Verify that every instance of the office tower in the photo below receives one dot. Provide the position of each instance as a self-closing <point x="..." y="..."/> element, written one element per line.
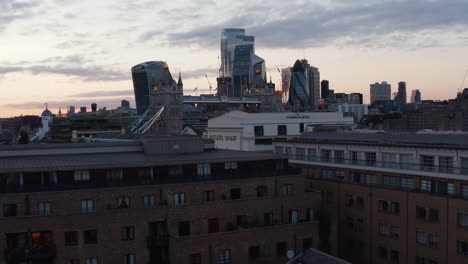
<point x="70" y="110"/>
<point x="145" y="76"/>
<point x="360" y="96"/>
<point x="298" y="93"/>
<point x="325" y="89"/>
<point x="124" y="103"/>
<point x="93" y="107"/>
<point x="380" y="92"/>
<point x="401" y="92"/>
<point x="415" y="96"/>
<point x="313" y="84"/>
<point x="239" y="65"/>
<point x="286" y="82"/>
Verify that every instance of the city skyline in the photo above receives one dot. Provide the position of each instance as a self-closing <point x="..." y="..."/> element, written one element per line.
<point x="79" y="52"/>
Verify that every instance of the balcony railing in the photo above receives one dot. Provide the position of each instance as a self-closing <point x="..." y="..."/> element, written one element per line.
<point x="128" y="181"/>
<point x="40" y="254"/>
<point x="384" y="164"/>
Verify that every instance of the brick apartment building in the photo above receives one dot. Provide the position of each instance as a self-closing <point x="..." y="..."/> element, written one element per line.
<point x="159" y="200"/>
<point x="397" y="198"/>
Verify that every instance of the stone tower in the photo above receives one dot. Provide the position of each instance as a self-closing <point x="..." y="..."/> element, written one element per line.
<point x="168" y="94"/>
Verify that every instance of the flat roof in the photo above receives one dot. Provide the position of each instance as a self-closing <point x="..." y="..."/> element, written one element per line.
<point x="387" y="139"/>
<point x="108" y="160"/>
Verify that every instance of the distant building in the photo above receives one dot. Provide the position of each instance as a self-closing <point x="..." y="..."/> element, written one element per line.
<point x="238" y="130"/>
<point x="83" y="109"/>
<point x="93" y="107"/>
<point x="286" y="83"/>
<point x="145" y="76"/>
<point x="380" y="92"/>
<point x="357" y="111"/>
<point x="70" y="110"/>
<point x="125" y="103"/>
<point x="360" y="97"/>
<point x="298" y="100"/>
<point x="313" y="84"/>
<point x="401" y="97"/>
<point x="415" y="96"/>
<point x="324" y="88"/>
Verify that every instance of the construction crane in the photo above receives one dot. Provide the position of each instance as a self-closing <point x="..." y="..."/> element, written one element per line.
<point x="209" y="83"/>
<point x="463" y="82"/>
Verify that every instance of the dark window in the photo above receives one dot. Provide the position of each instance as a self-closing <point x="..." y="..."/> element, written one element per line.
<point x="395" y="207"/>
<point x="281" y="249"/>
<point x="90" y="236"/>
<point x="349" y="200"/>
<point x="462" y="247"/>
<point x="359" y="202"/>
<point x="420" y="212"/>
<point x="268" y="218"/>
<point x="383" y="206"/>
<point x="263" y="141"/>
<point x="306" y="244"/>
<point x="123" y="202"/>
<point x="254" y="252"/>
<point x="184" y="228"/>
<point x="208" y="196"/>
<point x="195" y="258"/>
<point x="241" y="220"/>
<point x="258" y="131"/>
<point x="129" y="259"/>
<point x="71" y="238"/>
<point x="235" y="193"/>
<point x="301" y="127"/>
<point x="213" y="225"/>
<point x="9" y="210"/>
<point x="261" y="191"/>
<point x="383" y="252"/>
<point x="394" y="255"/>
<point x="128" y="233"/>
<point x="420" y="260"/>
<point x="433" y="215"/>
<point x="282" y="130"/>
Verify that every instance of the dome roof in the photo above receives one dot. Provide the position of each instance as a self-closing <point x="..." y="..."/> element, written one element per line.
<point x="46" y="113"/>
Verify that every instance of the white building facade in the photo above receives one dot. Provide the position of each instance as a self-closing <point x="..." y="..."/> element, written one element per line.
<point x="238" y="130"/>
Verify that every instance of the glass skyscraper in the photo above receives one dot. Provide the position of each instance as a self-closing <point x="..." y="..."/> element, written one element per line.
<point x="298" y="92"/>
<point x="145" y="76"/>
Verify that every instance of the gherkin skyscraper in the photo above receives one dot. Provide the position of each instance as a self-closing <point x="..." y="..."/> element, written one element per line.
<point x="298" y="100"/>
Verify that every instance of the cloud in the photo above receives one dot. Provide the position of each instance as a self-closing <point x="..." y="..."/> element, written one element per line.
<point x="11" y="10"/>
<point x="109" y="103"/>
<point x="105" y="93"/>
<point x="198" y="73"/>
<point x="355" y="22"/>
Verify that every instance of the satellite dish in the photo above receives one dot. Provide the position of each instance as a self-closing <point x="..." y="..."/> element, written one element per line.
<point x="290" y="254"/>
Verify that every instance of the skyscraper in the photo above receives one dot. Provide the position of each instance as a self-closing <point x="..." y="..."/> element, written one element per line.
<point x="313" y="84"/>
<point x="286" y="83"/>
<point x="325" y="89"/>
<point x="239" y="64"/>
<point x="415" y="96"/>
<point x="401" y="92"/>
<point x="298" y="93"/>
<point x="380" y="92"/>
<point x="145" y="76"/>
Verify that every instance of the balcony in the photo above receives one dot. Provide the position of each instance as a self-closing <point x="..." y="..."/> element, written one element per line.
<point x="384" y="166"/>
<point x="159" y="240"/>
<point x="39" y="254"/>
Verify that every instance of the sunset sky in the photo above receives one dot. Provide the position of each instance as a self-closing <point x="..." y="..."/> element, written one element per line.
<point x="67" y="52"/>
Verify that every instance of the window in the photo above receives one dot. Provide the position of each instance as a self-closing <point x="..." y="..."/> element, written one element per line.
<point x="288" y="189"/>
<point x="395" y="231"/>
<point x="359" y="202"/>
<point x="446" y="164"/>
<point x="268" y="218"/>
<point x="91" y="261"/>
<point x="310" y="214"/>
<point x="383" y="252"/>
<point x="427" y="163"/>
<point x="421" y="237"/>
<point x="288" y="150"/>
<point x="123" y="202"/>
<point x="254" y="252"/>
<point x="406" y="160"/>
<point x="420" y="260"/>
<point x="420" y="212"/>
<point x="349" y="200"/>
<point x="462" y="247"/>
<point x="363" y="178"/>
<point x="371" y="158"/>
<point x="230" y="165"/>
<point x="281" y="249"/>
<point x="325" y="155"/>
<point x="463" y="220"/>
<point x="425" y="185"/>
<point x="72" y="261"/>
<point x="149" y="201"/>
<point x="398" y="182"/>
<point x="225" y="256"/>
<point x="81" y="176"/>
<point x="338" y="156"/>
<point x="389" y="160"/>
<point x="262" y="191"/>
<point x="383" y="229"/>
<point x="293" y="216"/>
<point x="279" y="149"/>
<point x="258" y="131"/>
<point x="175" y="170"/>
<point x="354" y="157"/>
<point x="311" y="154"/>
<point x="359" y="227"/>
<point x="115" y="176"/>
<point x="179" y="198"/>
<point x="71" y="238"/>
<point x="300" y="153"/>
<point x="394" y="207"/>
<point x="87" y="206"/>
<point x="9" y="210"/>
<point x="394" y="255"/>
<point x="464" y="190"/>
<point x="129" y="259"/>
<point x="464" y="165"/>
<point x="213" y="225"/>
<point x="90" y="236"/>
<point x="241" y="220"/>
<point x="235" y="193"/>
<point x="332" y="174"/>
<point x="301" y="127"/>
<point x="383" y="206"/>
<point x="282" y="130"/>
<point x="127" y="233"/>
<point x="434" y="240"/>
<point x="208" y="196"/>
<point x="433" y="215"/>
<point x="195" y="258"/>
<point x="204" y="169"/>
<point x="184" y="228"/>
